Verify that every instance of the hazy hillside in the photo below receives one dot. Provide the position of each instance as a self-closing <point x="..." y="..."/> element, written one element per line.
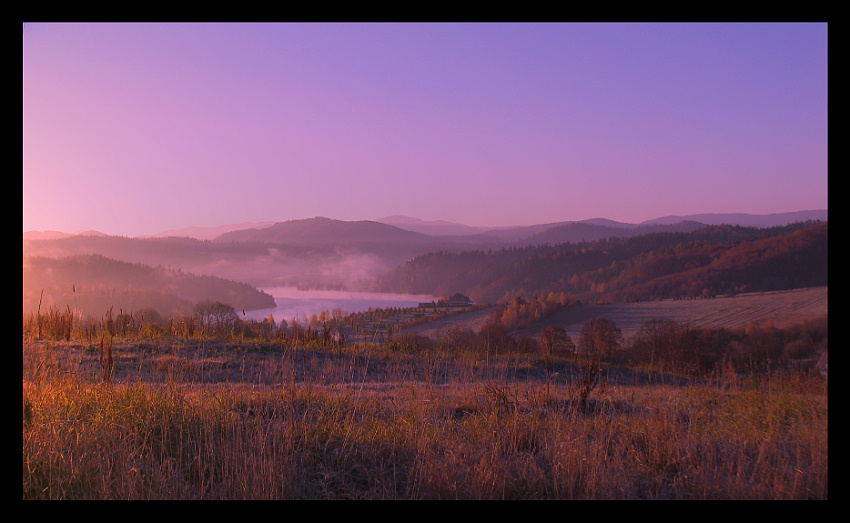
<point x="45" y="235"/>
<point x="710" y="260"/>
<point x="591" y="229"/>
<point x="93" y="284"/>
<point x="53" y="235"/>
<point x="209" y="233"/>
<point x="588" y="232"/>
<point x="433" y="227"/>
<point x="314" y="253"/>
<point x="326" y="253"/>
<point x="325" y="231"/>
<point x="745" y="220"/>
<point x="785" y="260"/>
<point x="258" y="264"/>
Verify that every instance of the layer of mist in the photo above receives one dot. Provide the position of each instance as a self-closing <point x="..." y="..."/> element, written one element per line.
<point x="301" y="304"/>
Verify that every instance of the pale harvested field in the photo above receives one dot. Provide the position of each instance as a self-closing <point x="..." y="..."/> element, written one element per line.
<point x="465" y="320"/>
<point x="782" y="307"/>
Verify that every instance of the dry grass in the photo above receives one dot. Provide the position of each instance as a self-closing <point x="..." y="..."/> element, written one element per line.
<point x="209" y="420"/>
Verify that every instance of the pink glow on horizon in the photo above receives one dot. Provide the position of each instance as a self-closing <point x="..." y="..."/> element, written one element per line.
<point x="135" y="129"/>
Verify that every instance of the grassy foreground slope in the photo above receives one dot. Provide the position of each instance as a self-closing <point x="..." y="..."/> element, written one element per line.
<point x="212" y="420"/>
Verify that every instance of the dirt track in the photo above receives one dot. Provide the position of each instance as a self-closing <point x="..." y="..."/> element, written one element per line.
<point x="783" y="307"/>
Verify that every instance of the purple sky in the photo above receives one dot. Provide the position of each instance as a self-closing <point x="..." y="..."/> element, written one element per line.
<point x="134" y="129"/>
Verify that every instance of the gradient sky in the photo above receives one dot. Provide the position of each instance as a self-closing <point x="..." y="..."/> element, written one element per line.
<point x="134" y="129"/>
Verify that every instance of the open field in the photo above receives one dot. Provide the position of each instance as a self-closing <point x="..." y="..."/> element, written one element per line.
<point x="247" y="421"/>
<point x="781" y="307"/>
<point x="472" y="320"/>
<point x="153" y="416"/>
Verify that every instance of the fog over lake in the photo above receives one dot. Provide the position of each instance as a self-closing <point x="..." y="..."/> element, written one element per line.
<point x="300" y="304"/>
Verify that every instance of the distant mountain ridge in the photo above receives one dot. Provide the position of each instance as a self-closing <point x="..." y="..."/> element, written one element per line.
<point x="54" y="235"/>
<point x="587" y="232"/>
<point x="443" y="228"/>
<point x="597" y="228"/>
<point x="745" y="220"/>
<point x="432" y="228"/>
<point x="209" y="233"/>
<point x="321" y="231"/>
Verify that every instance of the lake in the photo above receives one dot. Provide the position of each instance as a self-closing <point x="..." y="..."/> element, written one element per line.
<point x="294" y="303"/>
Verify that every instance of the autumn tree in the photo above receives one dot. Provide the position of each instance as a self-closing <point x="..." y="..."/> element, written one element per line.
<point x="493" y="336"/>
<point x="600" y="336"/>
<point x="555" y="340"/>
<point x="665" y="343"/>
<point x="217" y="317"/>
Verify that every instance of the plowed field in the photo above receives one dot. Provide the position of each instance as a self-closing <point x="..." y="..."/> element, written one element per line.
<point x="782" y="307"/>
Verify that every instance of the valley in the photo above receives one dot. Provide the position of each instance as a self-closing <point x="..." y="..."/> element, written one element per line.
<point x="591" y="262"/>
<point x="429" y="402"/>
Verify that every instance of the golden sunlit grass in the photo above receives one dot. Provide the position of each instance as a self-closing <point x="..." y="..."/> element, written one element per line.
<point x="212" y="420"/>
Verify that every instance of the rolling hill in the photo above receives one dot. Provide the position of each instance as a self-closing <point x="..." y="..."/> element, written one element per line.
<point x="369" y="255"/>
<point x="708" y="261"/>
<point x="325" y="231"/>
<point x="93" y="284"/>
<point x="314" y="253"/>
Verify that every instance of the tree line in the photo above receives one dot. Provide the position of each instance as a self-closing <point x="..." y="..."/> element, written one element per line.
<point x="660" y="345"/>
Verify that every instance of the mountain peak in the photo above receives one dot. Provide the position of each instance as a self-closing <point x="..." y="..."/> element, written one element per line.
<point x="322" y="230"/>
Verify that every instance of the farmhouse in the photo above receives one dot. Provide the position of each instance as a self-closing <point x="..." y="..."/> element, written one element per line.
<point x="459" y="300"/>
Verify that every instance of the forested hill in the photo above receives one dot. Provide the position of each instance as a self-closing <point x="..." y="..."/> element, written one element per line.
<point x="94" y="284"/>
<point x="325" y="231"/>
<point x="712" y="260"/>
